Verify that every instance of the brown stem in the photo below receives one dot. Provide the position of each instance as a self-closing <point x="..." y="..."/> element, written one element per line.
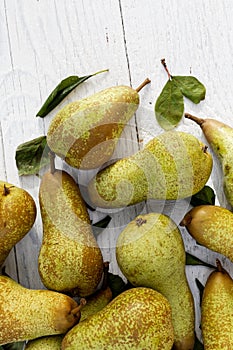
<point x="166" y="69"/>
<point x="77" y="310"/>
<point x="220" y="267"/>
<point x="52" y="162"/>
<point x="197" y="120"/>
<point x="6" y="190"/>
<point x="144" y="83"/>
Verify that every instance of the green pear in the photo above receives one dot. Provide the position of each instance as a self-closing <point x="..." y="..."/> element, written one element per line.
<point x="211" y="226"/>
<point x="173" y="165"/>
<point x="85" y="132"/>
<point x="70" y="259"/>
<point x="216" y="311"/>
<point x="17" y="216"/>
<point x="150" y="253"/>
<point x="52" y="342"/>
<point x="220" y="138"/>
<point x="139" y="318"/>
<point x="28" y="314"/>
<point x="96" y="302"/>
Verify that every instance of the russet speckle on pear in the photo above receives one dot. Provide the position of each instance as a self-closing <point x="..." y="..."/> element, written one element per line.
<point x="172" y="166"/>
<point x="52" y="342"/>
<point x="211" y="226"/>
<point x="139" y="318"/>
<point x="150" y="253"/>
<point x="29" y="314"/>
<point x="17" y="216"/>
<point x="216" y="311"/>
<point x="70" y="258"/>
<point x="220" y="138"/>
<point x="84" y="133"/>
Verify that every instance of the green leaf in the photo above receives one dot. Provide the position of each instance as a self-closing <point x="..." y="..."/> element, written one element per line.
<point x="201" y="288"/>
<point x="31" y="156"/>
<point x="190" y="87"/>
<point x="61" y="91"/>
<point x="13" y="346"/>
<point x="193" y="260"/>
<point x="169" y="106"/>
<point x="99" y="226"/>
<point x="198" y="345"/>
<point x="116" y="284"/>
<point x="205" y="196"/>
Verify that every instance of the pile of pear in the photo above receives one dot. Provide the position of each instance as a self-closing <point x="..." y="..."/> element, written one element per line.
<point x="158" y="311"/>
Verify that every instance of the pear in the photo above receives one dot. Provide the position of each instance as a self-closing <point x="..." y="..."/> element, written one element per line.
<point x="216" y="311"/>
<point x="52" y="342"/>
<point x="70" y="259"/>
<point x="150" y="253"/>
<point x="173" y="165"/>
<point x="139" y="318"/>
<point x="96" y="302"/>
<point x="28" y="314"/>
<point x="211" y="226"/>
<point x="17" y="216"/>
<point x="85" y="132"/>
<point x="220" y="138"/>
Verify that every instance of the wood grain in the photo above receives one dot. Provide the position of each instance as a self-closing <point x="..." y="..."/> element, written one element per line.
<point x="47" y="41"/>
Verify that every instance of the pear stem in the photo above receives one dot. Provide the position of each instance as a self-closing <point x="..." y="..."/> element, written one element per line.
<point x="144" y="83"/>
<point x="52" y="162"/>
<point x="220" y="267"/>
<point x="6" y="190"/>
<point x="166" y="69"/>
<point x="77" y="309"/>
<point x="186" y="220"/>
<point x="197" y="120"/>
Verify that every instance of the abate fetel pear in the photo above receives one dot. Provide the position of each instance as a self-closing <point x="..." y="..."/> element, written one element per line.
<point x="85" y="132"/>
<point x="70" y="259"/>
<point x="211" y="226"/>
<point x="51" y="342"/>
<point x="220" y="138"/>
<point x="17" y="216"/>
<point x="173" y="165"/>
<point x="29" y="313"/>
<point x="216" y="311"/>
<point x="139" y="318"/>
<point x="150" y="253"/>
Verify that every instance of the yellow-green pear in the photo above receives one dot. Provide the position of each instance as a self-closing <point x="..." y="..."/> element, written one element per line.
<point x="173" y="165"/>
<point x="150" y="253"/>
<point x="29" y="313"/>
<point x="220" y="138"/>
<point x="52" y="342"/>
<point x="216" y="311"/>
<point x="85" y="132"/>
<point x="17" y="216"/>
<point x="70" y="259"/>
<point x="211" y="226"/>
<point x="137" y="319"/>
<point x="96" y="302"/>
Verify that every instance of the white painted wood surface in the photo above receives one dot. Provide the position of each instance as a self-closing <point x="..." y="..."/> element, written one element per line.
<point x="44" y="41"/>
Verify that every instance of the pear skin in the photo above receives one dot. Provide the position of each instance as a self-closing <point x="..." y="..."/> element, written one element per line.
<point x="216" y="311"/>
<point x="139" y="318"/>
<point x="52" y="342"/>
<point x="85" y="132"/>
<point x="172" y="166"/>
<point x="27" y="314"/>
<point x="211" y="226"/>
<point x="150" y="253"/>
<point x="220" y="138"/>
<point x="70" y="259"/>
<point x="17" y="216"/>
